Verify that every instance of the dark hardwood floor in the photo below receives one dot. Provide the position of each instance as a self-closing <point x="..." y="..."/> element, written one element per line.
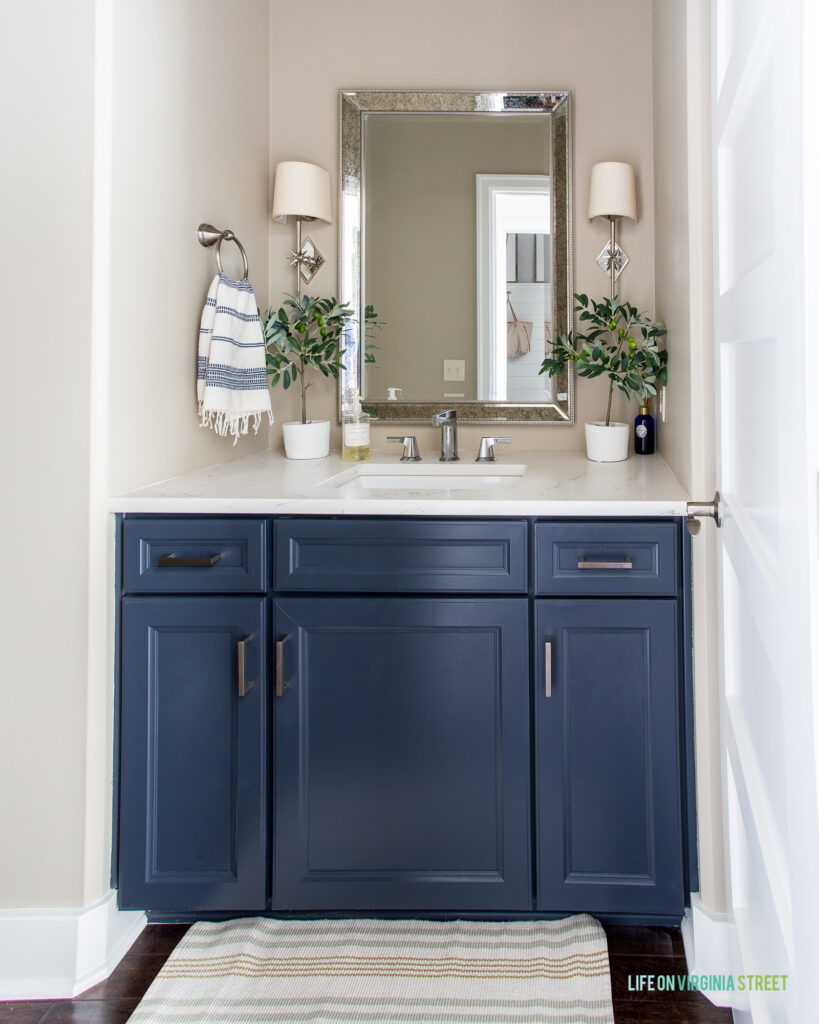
<point x="633" y="952"/>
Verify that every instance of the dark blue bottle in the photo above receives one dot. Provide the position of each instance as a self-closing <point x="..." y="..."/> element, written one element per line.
<point x="644" y="432"/>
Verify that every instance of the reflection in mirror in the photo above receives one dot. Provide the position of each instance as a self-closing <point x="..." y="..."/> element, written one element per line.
<point x="527" y="264"/>
<point x="455" y="225"/>
<point x="513" y="304"/>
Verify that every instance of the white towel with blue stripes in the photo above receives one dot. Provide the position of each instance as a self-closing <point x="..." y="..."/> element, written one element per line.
<point x="231" y="381"/>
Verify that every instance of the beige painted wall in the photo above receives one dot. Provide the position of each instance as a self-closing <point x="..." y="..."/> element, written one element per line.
<point x="682" y="218"/>
<point x="519" y="44"/>
<point x="103" y="287"/>
<point x="46" y="77"/>
<point x="191" y="99"/>
<point x="671" y="227"/>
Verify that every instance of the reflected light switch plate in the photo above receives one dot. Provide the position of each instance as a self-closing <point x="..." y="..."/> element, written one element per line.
<point x="454" y="369"/>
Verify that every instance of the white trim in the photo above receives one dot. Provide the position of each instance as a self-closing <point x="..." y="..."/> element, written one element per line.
<point x="703" y="431"/>
<point x="709" y="940"/>
<point x="99" y="583"/>
<point x="57" y="954"/>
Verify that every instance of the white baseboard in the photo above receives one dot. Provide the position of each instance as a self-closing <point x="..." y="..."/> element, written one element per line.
<point x="56" y="954"/>
<point x="709" y="940"/>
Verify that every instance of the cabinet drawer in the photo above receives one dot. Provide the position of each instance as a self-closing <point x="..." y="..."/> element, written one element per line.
<point x="359" y="556"/>
<point x="194" y="555"/>
<point x="598" y="559"/>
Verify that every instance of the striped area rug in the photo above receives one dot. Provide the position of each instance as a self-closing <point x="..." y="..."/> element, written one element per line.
<point x="258" y="970"/>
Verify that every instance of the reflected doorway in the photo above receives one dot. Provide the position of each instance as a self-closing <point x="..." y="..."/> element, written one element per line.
<point x="514" y="287"/>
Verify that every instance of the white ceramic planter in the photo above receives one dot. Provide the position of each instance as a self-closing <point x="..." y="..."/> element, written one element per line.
<point x="607" y="443"/>
<point x="309" y="440"/>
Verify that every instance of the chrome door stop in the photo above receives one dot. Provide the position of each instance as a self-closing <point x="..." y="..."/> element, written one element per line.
<point x="696" y="510"/>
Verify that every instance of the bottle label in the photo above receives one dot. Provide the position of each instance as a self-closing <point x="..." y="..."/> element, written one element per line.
<point x="642" y="430"/>
<point x="356" y="435"/>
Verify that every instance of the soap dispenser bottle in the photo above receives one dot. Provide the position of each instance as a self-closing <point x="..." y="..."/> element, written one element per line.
<point x="644" y="431"/>
<point x="355" y="429"/>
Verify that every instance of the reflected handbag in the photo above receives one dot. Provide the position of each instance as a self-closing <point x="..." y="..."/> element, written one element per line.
<point x="518" y="334"/>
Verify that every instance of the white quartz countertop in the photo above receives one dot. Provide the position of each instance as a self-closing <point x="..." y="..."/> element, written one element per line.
<point x="553" y="484"/>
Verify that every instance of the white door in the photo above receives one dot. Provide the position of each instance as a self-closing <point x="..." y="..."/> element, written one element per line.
<point x="764" y="108"/>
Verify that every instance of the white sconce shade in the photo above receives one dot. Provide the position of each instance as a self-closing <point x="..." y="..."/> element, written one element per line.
<point x="302" y="190"/>
<point x="612" y="192"/>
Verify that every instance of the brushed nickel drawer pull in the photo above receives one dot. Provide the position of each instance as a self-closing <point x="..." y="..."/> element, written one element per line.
<point x="241" y="658"/>
<point x="583" y="564"/>
<point x="548" y="667"/>
<point x="182" y="562"/>
<point x="281" y="685"/>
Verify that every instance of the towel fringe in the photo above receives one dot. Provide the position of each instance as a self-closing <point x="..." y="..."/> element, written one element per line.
<point x="231" y="385"/>
<point x="235" y="424"/>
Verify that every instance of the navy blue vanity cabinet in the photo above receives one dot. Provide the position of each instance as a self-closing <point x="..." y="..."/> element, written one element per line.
<point x="407" y="716"/>
<point x="193" y="736"/>
<point x="401" y="739"/>
<point x="606" y="710"/>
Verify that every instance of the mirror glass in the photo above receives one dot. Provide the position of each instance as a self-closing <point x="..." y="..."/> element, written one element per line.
<point x="455" y="224"/>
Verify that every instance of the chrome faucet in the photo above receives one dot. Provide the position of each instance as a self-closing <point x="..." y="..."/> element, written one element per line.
<point x="410" y="452"/>
<point x="448" y="422"/>
<point x="487" y="450"/>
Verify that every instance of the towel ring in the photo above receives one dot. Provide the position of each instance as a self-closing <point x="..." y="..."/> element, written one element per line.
<point x="208" y="235"/>
<point x="228" y="236"/>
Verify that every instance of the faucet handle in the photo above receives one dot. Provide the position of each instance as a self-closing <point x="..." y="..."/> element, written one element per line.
<point x="445" y="416"/>
<point x="487" y="452"/>
<point x="410" y="453"/>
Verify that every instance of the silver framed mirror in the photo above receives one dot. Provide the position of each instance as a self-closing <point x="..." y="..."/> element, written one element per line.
<point x="455" y="224"/>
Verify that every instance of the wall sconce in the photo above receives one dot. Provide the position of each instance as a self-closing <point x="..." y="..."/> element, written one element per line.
<point x="302" y="191"/>
<point x="612" y="194"/>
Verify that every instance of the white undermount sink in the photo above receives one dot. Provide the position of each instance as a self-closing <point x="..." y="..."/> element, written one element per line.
<point x="447" y="476"/>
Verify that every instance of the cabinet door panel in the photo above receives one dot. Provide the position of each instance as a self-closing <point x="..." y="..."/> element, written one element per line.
<point x="401" y="754"/>
<point x="607" y="757"/>
<point x="193" y="755"/>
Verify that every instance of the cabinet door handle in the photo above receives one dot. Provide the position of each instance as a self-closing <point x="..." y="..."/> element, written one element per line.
<point x="281" y="685"/>
<point x="181" y="562"/>
<point x="243" y="686"/>
<point x="583" y="564"/>
<point x="548" y="666"/>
